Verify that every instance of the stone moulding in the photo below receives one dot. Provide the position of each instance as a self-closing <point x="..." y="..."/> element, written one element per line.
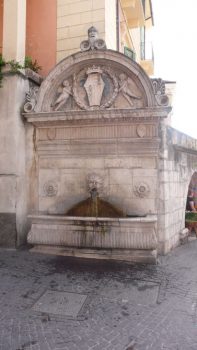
<point x="101" y="233"/>
<point x="154" y="113"/>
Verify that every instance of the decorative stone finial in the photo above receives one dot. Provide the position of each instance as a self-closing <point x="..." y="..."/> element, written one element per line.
<point x="93" y="42"/>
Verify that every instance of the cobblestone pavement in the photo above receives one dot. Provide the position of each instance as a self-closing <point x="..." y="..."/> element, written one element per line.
<point x="128" y="306"/>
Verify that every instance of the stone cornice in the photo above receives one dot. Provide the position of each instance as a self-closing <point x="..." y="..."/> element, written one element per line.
<point x="184" y="149"/>
<point x="51" y="118"/>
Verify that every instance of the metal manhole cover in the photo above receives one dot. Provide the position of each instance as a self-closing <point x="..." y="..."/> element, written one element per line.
<point x="61" y="303"/>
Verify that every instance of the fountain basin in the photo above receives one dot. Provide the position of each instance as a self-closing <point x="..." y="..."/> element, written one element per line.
<point x="115" y="238"/>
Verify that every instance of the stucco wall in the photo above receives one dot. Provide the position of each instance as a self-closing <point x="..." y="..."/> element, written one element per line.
<point x="13" y="208"/>
<point x="41" y="33"/>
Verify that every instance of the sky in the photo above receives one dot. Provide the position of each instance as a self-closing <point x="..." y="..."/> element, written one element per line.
<point x="175" y="53"/>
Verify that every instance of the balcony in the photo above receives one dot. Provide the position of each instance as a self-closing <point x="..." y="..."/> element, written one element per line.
<point x="147" y="57"/>
<point x="134" y="12"/>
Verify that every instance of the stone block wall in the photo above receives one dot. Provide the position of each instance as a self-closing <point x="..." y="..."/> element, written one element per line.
<point x="178" y="161"/>
<point x="67" y="155"/>
<point x="121" y="177"/>
<point x="73" y="20"/>
<point x="75" y="17"/>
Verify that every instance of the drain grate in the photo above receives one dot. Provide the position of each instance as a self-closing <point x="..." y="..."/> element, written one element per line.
<point x="62" y="303"/>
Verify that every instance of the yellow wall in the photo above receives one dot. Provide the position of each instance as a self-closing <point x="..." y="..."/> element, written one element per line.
<point x="74" y="17"/>
<point x="110" y="24"/>
<point x="135" y="35"/>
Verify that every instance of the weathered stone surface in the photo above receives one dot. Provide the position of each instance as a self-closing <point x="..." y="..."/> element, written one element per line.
<point x="98" y="113"/>
<point x="84" y="232"/>
<point x="8" y="230"/>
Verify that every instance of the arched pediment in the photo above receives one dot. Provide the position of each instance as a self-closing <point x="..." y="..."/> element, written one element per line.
<point x="91" y="80"/>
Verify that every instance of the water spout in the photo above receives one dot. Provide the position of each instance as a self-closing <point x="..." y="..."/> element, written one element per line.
<point x="94" y="193"/>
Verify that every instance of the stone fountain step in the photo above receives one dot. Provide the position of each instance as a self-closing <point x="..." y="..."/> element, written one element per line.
<point x="128" y="255"/>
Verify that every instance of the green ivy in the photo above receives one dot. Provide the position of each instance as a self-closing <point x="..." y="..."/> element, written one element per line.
<point x="191" y="216"/>
<point x="15" y="66"/>
<point x="28" y="63"/>
<point x="2" y="64"/>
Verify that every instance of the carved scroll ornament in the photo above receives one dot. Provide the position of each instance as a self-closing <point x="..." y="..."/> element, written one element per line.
<point x="31" y="99"/>
<point x="159" y="91"/>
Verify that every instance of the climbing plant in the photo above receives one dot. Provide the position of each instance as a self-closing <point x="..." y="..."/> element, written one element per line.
<point x="2" y="64"/>
<point x="15" y="66"/>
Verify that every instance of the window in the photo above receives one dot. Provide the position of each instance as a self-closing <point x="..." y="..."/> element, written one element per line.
<point x="130" y="53"/>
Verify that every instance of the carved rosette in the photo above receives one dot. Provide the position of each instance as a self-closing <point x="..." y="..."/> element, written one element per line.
<point x="141" y="189"/>
<point x="50" y="189"/>
<point x="95" y="80"/>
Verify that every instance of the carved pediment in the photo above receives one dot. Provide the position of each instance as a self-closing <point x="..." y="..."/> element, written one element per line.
<point x="94" y="79"/>
<point x="97" y="87"/>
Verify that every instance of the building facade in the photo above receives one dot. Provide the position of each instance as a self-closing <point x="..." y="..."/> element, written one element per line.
<point x="120" y="136"/>
<point x="50" y="30"/>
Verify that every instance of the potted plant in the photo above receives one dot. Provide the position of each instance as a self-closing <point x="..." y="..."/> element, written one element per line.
<point x="191" y="221"/>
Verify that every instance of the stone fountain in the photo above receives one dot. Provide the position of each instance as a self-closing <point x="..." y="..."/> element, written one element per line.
<point x="92" y="164"/>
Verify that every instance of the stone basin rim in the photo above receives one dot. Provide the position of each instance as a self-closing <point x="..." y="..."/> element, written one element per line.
<point x="63" y="218"/>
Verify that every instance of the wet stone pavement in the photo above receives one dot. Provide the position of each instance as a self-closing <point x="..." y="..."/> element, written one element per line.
<point x="50" y="303"/>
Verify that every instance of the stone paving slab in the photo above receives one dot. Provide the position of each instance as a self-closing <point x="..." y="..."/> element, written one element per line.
<point x="130" y="307"/>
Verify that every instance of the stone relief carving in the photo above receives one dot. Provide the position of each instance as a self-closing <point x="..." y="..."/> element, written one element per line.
<point x="159" y="91"/>
<point x="95" y="87"/>
<point x="65" y="92"/>
<point x="31" y="99"/>
<point x="93" y="42"/>
<point x="125" y="89"/>
<point x="50" y="189"/>
<point x="141" y="130"/>
<point x="95" y="181"/>
<point x="141" y="189"/>
<point x="51" y="134"/>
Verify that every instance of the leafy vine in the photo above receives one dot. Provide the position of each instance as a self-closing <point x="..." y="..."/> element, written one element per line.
<point x="15" y="66"/>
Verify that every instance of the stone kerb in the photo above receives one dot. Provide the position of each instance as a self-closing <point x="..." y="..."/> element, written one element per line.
<point x="111" y="59"/>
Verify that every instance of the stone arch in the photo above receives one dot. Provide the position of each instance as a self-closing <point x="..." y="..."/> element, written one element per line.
<point x="112" y="64"/>
<point x="192" y="184"/>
